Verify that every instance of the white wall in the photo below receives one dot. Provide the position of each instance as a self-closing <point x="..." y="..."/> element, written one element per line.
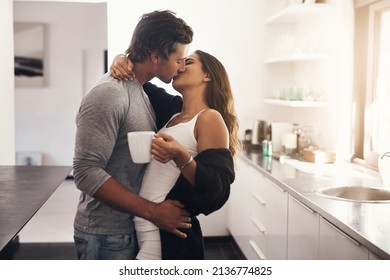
<point x="333" y="125"/>
<point x="45" y="117"/>
<point x="75" y="37"/>
<point x="7" y="127"/>
<point x="232" y="30"/>
<point x="235" y="32"/>
<point x="229" y="29"/>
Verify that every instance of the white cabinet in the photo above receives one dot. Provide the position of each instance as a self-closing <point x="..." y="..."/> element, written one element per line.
<point x="336" y="245"/>
<point x="215" y="223"/>
<point x="258" y="215"/>
<point x="372" y="256"/>
<point x="276" y="221"/>
<point x="268" y="223"/>
<point x="240" y="224"/>
<point x="269" y="218"/>
<point x="303" y="231"/>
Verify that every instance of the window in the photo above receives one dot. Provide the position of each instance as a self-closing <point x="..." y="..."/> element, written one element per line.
<point x="372" y="85"/>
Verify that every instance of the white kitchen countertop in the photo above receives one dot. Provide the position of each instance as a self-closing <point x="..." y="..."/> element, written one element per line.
<point x="367" y="223"/>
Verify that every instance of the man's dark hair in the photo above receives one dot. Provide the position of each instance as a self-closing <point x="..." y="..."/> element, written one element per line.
<point x="158" y="31"/>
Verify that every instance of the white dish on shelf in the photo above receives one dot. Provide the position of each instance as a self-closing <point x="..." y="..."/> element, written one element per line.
<point x="296" y="103"/>
<point x="291" y="57"/>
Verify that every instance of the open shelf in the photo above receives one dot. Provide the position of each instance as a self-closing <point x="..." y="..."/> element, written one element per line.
<point x="296" y="57"/>
<point x="296" y="104"/>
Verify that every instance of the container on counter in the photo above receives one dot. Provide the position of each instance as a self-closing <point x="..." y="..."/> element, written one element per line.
<point x="266" y="146"/>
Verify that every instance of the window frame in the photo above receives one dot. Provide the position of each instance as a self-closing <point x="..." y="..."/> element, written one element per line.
<point x="367" y="29"/>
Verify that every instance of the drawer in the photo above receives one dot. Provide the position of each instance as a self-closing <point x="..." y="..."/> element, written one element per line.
<point x="259" y="231"/>
<point x="258" y="205"/>
<point x="257" y="252"/>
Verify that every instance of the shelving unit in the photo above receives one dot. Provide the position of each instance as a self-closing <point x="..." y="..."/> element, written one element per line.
<point x="293" y="19"/>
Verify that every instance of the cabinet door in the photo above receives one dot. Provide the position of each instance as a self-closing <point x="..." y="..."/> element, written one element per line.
<point x="276" y="225"/>
<point x="269" y="218"/>
<point x="336" y="245"/>
<point x="372" y="256"/>
<point x="303" y="229"/>
<point x="215" y="223"/>
<point x="258" y="217"/>
<point x="240" y="224"/>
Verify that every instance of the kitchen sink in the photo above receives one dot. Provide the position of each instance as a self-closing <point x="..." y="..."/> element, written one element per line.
<point x="357" y="194"/>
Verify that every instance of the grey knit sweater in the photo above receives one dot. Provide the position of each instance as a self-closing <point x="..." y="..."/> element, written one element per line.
<point x="110" y="110"/>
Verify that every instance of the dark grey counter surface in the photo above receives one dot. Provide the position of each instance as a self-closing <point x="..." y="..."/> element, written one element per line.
<point x="367" y="223"/>
<point x="23" y="190"/>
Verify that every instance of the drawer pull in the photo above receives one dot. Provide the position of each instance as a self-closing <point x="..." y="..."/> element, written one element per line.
<point x="259" y="198"/>
<point x="258" y="224"/>
<point x="257" y="250"/>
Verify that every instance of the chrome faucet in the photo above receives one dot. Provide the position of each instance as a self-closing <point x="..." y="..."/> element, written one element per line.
<point x="384" y="168"/>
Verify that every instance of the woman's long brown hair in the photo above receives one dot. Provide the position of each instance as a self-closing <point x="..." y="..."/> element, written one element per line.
<point x="219" y="96"/>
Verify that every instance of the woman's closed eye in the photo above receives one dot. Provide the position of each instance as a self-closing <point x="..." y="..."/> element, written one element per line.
<point x="189" y="61"/>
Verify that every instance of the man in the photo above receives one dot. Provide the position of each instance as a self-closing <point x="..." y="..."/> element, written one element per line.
<point x="103" y="169"/>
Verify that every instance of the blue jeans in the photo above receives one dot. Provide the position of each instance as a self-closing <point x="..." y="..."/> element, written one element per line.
<point x="105" y="247"/>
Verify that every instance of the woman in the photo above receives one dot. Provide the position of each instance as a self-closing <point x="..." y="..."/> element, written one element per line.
<point x="192" y="152"/>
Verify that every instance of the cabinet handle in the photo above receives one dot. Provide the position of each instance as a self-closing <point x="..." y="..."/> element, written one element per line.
<point x="257" y="250"/>
<point x="259" y="198"/>
<point x="259" y="225"/>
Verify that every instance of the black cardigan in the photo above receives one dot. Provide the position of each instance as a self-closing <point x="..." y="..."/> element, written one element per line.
<point x="214" y="175"/>
<point x="164" y="104"/>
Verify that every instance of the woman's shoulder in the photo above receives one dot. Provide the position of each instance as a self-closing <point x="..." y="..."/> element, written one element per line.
<point x="210" y="116"/>
<point x="212" y="121"/>
<point x="210" y="113"/>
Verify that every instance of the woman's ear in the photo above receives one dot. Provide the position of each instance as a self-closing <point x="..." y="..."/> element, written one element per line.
<point x="206" y="79"/>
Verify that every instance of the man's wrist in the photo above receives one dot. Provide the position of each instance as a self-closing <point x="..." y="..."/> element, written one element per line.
<point x="151" y="211"/>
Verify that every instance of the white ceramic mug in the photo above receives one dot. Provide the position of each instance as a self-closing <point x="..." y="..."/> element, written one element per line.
<point x="140" y="143"/>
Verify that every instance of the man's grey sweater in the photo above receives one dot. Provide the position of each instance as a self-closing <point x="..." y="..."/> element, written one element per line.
<point x="107" y="113"/>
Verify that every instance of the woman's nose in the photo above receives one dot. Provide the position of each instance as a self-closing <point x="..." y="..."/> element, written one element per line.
<point x="182" y="67"/>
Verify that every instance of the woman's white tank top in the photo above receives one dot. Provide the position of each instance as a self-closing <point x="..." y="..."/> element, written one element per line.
<point x="160" y="177"/>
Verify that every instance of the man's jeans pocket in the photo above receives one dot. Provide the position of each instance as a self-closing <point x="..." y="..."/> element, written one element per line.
<point x="105" y="247"/>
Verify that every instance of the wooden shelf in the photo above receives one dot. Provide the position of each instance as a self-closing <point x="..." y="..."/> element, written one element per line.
<point x="296" y="104"/>
<point x="296" y="57"/>
<point x="296" y="12"/>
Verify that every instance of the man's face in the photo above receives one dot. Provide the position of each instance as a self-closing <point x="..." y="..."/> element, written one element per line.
<point x="166" y="69"/>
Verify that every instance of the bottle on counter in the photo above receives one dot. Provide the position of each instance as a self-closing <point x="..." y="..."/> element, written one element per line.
<point x="269" y="148"/>
<point x="266" y="146"/>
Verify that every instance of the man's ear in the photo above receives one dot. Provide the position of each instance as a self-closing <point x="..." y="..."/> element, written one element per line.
<point x="154" y="56"/>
